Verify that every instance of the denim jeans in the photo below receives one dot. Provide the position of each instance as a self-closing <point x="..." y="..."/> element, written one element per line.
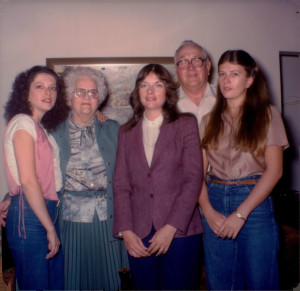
<point x="33" y="270"/>
<point x="250" y="261"/>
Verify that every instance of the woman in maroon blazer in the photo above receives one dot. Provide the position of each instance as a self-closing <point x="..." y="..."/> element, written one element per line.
<point x="157" y="182"/>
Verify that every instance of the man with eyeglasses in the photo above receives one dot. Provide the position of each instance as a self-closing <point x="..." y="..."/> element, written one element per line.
<point x="196" y="95"/>
<point x="193" y="66"/>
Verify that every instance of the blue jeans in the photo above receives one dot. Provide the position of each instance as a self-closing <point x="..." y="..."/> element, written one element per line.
<point x="178" y="269"/>
<point x="33" y="270"/>
<point x="250" y="261"/>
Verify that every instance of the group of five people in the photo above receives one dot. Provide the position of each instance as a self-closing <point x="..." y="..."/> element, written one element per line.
<point x="138" y="188"/>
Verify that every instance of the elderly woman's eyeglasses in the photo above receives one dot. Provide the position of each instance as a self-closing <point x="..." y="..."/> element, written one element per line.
<point x="196" y="62"/>
<point x="81" y="93"/>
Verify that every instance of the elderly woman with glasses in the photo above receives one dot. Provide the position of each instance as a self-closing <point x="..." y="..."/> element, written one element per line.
<point x="87" y="156"/>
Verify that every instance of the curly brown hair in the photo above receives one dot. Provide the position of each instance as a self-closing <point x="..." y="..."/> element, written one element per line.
<point x="170" y="110"/>
<point x="18" y="98"/>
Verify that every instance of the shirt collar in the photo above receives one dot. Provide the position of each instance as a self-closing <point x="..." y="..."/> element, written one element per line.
<point x="156" y="122"/>
<point x="210" y="90"/>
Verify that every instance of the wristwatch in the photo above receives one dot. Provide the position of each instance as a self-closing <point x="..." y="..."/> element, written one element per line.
<point x="240" y="216"/>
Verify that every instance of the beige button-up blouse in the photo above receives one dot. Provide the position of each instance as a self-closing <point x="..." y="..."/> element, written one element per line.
<point x="228" y="162"/>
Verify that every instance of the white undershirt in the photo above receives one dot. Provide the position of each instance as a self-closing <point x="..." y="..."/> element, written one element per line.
<point x="185" y="104"/>
<point x="150" y="134"/>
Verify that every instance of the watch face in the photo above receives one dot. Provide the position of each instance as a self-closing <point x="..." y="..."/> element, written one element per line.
<point x="240" y="216"/>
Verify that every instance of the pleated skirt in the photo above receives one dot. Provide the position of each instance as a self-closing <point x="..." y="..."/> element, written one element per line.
<point x="91" y="261"/>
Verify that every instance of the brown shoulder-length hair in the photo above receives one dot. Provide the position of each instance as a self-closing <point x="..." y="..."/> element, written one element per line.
<point x="170" y="110"/>
<point x="255" y="111"/>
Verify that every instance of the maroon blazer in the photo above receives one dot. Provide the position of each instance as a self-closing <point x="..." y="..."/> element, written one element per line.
<point x="165" y="193"/>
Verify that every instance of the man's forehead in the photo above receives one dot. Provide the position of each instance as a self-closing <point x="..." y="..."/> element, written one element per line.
<point x="190" y="50"/>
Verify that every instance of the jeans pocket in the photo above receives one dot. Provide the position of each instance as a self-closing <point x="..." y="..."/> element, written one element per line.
<point x="32" y="224"/>
<point x="263" y="210"/>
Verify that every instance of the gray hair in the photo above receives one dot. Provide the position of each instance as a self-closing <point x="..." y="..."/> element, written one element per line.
<point x="190" y="43"/>
<point x="70" y="78"/>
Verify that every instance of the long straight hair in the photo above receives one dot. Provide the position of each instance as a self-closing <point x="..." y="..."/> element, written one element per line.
<point x="170" y="111"/>
<point x="254" y="113"/>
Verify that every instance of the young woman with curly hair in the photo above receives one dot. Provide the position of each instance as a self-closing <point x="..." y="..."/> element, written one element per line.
<point x="36" y="106"/>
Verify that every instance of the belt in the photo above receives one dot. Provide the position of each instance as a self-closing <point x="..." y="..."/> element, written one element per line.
<point x="238" y="182"/>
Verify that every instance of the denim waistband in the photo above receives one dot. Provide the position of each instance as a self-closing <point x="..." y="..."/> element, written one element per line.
<point x="252" y="177"/>
<point x="22" y="201"/>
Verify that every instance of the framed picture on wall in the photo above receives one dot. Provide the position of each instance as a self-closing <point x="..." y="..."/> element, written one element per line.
<point x="290" y="104"/>
<point x="120" y="75"/>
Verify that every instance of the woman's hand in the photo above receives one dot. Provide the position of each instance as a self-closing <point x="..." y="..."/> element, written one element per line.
<point x="53" y="243"/>
<point x="101" y="117"/>
<point x="24" y="146"/>
<point x="214" y="219"/>
<point x="162" y="240"/>
<point x="134" y="245"/>
<point x="263" y="188"/>
<point x="3" y="210"/>
<point x="231" y="227"/>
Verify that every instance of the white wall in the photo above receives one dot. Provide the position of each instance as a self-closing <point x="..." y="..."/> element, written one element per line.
<point x="31" y="31"/>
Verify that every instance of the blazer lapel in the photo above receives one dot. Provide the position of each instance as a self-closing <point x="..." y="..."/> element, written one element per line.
<point x="137" y="137"/>
<point x="166" y="135"/>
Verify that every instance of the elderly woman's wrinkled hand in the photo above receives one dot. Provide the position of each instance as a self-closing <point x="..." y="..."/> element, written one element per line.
<point x="4" y="205"/>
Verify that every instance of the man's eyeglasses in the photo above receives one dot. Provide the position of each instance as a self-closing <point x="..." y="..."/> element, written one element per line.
<point x="80" y="93"/>
<point x="196" y="62"/>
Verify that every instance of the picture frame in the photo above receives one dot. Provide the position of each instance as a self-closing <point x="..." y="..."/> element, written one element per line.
<point x="120" y="73"/>
<point x="290" y="106"/>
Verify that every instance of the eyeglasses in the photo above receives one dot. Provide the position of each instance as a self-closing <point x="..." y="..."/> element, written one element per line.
<point x="80" y="93"/>
<point x="156" y="86"/>
<point x="196" y="62"/>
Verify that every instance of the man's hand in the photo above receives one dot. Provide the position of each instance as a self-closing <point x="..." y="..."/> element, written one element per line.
<point x="4" y="205"/>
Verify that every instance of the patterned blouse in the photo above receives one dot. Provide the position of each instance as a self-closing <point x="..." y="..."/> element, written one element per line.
<point x="85" y="174"/>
